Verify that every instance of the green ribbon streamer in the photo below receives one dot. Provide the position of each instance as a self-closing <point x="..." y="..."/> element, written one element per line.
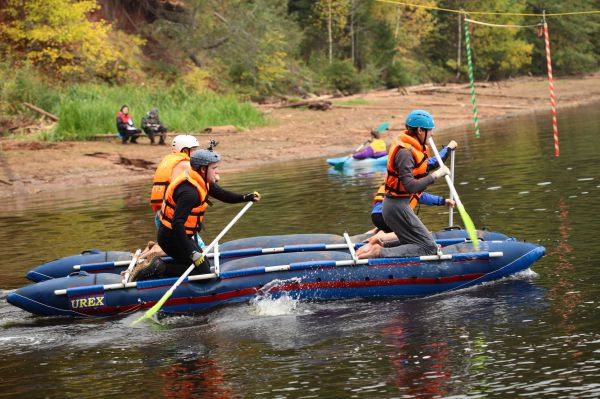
<point x="471" y="79"/>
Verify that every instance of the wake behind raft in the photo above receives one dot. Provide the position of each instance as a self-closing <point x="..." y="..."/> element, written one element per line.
<point x="313" y="275"/>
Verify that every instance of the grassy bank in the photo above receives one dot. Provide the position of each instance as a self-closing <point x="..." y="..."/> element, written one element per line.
<point x="88" y="109"/>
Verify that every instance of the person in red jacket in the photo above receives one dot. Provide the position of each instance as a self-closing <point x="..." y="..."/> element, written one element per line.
<point x="125" y="126"/>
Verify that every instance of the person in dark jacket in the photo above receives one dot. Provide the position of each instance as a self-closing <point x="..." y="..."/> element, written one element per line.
<point x="153" y="126"/>
<point x="125" y="126"/>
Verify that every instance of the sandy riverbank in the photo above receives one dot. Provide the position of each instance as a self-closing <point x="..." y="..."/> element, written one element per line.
<point x="29" y="168"/>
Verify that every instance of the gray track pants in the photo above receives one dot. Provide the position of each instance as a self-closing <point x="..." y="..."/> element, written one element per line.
<point x="414" y="239"/>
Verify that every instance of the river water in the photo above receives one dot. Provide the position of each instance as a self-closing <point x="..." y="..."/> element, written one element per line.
<point x="534" y="335"/>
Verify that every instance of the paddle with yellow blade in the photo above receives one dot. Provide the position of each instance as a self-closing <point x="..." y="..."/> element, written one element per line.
<point x="150" y="312"/>
<point x="461" y="209"/>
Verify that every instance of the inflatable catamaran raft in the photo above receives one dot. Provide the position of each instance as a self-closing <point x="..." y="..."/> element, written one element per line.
<point x="95" y="261"/>
<point x="304" y="275"/>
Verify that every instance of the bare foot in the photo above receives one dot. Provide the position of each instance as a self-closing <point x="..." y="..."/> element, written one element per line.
<point x="369" y="251"/>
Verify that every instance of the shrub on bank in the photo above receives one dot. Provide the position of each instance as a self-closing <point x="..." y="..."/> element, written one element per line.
<point x="85" y="110"/>
<point x="90" y="109"/>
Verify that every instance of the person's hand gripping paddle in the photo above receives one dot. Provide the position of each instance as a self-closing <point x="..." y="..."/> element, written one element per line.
<point x="461" y="209"/>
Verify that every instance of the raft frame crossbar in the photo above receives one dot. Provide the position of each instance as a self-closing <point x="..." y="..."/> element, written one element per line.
<point x="279" y="268"/>
<point x="259" y="251"/>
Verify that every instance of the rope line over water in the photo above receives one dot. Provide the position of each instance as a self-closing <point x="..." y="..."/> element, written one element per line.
<point x="499" y="25"/>
<point x="556" y="14"/>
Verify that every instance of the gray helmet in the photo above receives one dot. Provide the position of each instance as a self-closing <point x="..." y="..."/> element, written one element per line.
<point x="203" y="157"/>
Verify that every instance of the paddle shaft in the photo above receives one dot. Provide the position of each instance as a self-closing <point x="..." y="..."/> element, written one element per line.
<point x="453" y="192"/>
<point x="469" y="226"/>
<point x="451" y="213"/>
<point x="211" y="245"/>
<point x="357" y="148"/>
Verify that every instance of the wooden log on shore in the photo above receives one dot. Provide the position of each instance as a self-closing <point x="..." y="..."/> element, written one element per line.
<point x="305" y="102"/>
<point x="41" y="111"/>
<point x="220" y="129"/>
<point x="110" y="136"/>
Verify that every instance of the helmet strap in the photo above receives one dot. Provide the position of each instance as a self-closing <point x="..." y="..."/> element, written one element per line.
<point x="423" y="143"/>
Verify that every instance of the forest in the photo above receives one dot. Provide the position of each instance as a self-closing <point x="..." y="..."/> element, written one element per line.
<point x="81" y="59"/>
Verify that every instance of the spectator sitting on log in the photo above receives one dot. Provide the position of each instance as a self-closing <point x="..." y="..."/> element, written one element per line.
<point x="153" y="126"/>
<point x="125" y="126"/>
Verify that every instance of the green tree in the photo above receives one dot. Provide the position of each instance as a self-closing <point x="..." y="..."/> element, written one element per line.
<point x="497" y="52"/>
<point x="574" y="39"/>
<point x="331" y="17"/>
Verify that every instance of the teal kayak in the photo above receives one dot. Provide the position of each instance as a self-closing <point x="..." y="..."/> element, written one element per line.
<point x="349" y="162"/>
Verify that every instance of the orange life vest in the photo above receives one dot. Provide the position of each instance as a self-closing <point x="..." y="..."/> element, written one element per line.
<point x="379" y="195"/>
<point x="193" y="224"/>
<point x="393" y="185"/>
<point x="162" y="178"/>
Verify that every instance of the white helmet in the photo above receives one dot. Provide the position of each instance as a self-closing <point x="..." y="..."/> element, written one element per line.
<point x="183" y="141"/>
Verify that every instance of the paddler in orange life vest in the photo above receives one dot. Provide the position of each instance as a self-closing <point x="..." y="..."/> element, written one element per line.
<point x="182" y="213"/>
<point x="170" y="167"/>
<point x="406" y="179"/>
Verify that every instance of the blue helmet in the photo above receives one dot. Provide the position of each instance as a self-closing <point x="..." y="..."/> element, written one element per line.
<point x="420" y="118"/>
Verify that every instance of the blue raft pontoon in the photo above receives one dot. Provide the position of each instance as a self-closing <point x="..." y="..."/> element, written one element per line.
<point x="95" y="261"/>
<point x="317" y="275"/>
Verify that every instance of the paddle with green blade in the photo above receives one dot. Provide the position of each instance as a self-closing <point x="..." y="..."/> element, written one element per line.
<point x="461" y="209"/>
<point x="150" y="312"/>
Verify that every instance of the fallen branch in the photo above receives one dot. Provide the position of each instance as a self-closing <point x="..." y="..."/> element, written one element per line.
<point x="41" y="111"/>
<point x="221" y="129"/>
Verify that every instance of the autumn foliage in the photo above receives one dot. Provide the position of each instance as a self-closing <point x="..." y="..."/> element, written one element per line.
<point x="61" y="38"/>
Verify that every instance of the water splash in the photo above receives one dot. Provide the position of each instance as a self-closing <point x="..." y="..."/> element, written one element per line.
<point x="272" y="301"/>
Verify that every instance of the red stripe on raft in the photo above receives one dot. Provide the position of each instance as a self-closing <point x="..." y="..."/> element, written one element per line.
<point x="289" y="287"/>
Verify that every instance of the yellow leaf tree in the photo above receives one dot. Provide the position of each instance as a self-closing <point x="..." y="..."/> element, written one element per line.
<point x="61" y="38"/>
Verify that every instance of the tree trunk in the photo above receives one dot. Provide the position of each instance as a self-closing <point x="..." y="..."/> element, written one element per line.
<point x="397" y="30"/>
<point x="329" y="32"/>
<point x="352" y="31"/>
<point x="459" y="49"/>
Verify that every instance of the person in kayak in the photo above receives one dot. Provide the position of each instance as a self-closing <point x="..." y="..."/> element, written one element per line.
<point x="182" y="214"/>
<point x="406" y="179"/>
<point x="376" y="148"/>
<point x="425" y="199"/>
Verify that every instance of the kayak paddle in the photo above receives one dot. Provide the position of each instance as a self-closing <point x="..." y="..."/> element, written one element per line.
<point x="461" y="209"/>
<point x="150" y="312"/>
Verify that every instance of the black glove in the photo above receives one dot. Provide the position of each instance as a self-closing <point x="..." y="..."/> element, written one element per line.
<point x="254" y="197"/>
